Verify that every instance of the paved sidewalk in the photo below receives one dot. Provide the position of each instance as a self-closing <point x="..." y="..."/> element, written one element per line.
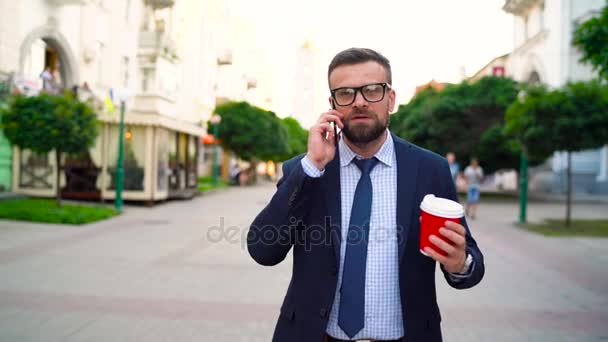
<point x="159" y="274"/>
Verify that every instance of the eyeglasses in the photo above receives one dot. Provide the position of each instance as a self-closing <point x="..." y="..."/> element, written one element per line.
<point x="373" y="92"/>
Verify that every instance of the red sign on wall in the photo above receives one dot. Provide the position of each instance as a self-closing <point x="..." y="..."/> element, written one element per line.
<point x="498" y="71"/>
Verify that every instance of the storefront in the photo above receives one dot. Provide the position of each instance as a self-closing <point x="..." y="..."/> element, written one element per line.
<point x="160" y="162"/>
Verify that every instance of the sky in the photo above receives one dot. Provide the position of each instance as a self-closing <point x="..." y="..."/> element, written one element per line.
<point x="424" y="40"/>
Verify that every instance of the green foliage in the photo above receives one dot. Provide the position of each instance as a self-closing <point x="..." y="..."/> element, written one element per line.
<point x="553" y="227"/>
<point x="582" y="112"/>
<point x="572" y="118"/>
<point x="43" y="210"/>
<point x="458" y="119"/>
<point x="44" y="123"/>
<point x="251" y="132"/>
<point x="25" y="122"/>
<point x="275" y="140"/>
<point x="298" y="138"/>
<point x="591" y="37"/>
<point x="530" y="123"/>
<point x="497" y="149"/>
<point x="206" y="184"/>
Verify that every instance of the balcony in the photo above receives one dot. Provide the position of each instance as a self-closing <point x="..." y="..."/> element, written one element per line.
<point x="520" y="7"/>
<point x="154" y="104"/>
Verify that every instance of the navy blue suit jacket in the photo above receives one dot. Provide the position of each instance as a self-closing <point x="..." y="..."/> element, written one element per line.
<point x="305" y="214"/>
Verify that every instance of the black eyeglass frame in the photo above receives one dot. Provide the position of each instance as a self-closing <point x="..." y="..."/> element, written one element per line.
<point x="384" y="85"/>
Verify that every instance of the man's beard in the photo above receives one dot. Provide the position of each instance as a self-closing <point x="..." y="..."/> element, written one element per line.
<point x="360" y="133"/>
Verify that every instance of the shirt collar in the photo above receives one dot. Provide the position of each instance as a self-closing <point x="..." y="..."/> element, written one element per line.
<point x="384" y="154"/>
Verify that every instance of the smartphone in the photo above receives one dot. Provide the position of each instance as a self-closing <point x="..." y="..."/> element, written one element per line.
<point x="333" y="106"/>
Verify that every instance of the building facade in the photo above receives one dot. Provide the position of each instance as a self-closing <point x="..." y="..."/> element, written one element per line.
<point x="161" y="52"/>
<point x="496" y="67"/>
<point x="543" y="54"/>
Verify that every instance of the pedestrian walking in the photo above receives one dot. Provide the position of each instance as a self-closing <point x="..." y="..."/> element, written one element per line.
<point x="454" y="166"/>
<point x="349" y="208"/>
<point x="474" y="175"/>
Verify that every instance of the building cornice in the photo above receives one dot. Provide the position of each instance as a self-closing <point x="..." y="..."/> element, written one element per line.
<point x="519" y="7"/>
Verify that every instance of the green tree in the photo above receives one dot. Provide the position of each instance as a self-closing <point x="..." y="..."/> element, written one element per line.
<point x="251" y="132"/>
<point x="582" y="112"/>
<point x="44" y="123"/>
<point x="274" y="142"/>
<point x="529" y="122"/>
<point x="570" y="119"/>
<point x="298" y="138"/>
<point x="464" y="118"/>
<point x="591" y="38"/>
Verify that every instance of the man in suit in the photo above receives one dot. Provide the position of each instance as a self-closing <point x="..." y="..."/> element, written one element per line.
<point x="349" y="208"/>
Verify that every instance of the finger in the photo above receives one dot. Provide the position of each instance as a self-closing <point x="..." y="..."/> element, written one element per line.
<point x="325" y="130"/>
<point x="435" y="256"/>
<point x="446" y="247"/>
<point x="322" y="128"/>
<point x="456" y="238"/>
<point x="420" y="219"/>
<point x="458" y="228"/>
<point x="330" y="118"/>
<point x="334" y="112"/>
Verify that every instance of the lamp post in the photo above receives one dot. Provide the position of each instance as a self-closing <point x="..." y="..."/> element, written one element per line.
<point x="123" y="97"/>
<point x="523" y="181"/>
<point x="215" y="120"/>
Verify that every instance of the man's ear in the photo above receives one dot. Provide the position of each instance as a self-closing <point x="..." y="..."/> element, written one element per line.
<point x="391" y="100"/>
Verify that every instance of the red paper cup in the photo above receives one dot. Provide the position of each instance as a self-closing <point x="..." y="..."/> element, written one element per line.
<point x="435" y="211"/>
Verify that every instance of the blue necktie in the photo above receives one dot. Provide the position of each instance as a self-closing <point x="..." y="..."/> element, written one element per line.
<point x="351" y="316"/>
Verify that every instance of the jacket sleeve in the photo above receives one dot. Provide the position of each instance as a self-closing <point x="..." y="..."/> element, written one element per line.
<point x="274" y="230"/>
<point x="477" y="267"/>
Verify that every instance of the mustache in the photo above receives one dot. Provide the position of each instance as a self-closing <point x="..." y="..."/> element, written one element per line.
<point x="367" y="113"/>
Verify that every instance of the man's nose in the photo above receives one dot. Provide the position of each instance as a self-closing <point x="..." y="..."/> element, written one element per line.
<point x="360" y="101"/>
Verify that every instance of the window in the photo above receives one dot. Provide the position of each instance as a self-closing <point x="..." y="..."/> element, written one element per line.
<point x="125" y="72"/>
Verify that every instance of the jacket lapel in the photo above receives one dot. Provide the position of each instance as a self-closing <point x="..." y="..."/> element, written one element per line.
<point x="407" y="171"/>
<point x="333" y="199"/>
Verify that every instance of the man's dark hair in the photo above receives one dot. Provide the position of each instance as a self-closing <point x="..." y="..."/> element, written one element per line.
<point x="360" y="55"/>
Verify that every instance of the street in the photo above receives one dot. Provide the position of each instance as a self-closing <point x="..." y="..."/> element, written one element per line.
<point x="167" y="274"/>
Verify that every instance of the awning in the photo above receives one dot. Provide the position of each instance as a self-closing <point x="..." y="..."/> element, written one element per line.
<point x="155" y="120"/>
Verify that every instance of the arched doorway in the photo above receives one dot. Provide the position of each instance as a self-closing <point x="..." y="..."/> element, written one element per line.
<point x="48" y="64"/>
<point x="46" y="61"/>
<point x="534" y="79"/>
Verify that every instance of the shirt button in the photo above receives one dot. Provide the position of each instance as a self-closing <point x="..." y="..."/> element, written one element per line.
<point x="323" y="312"/>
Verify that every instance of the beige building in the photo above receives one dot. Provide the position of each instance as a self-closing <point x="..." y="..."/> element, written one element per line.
<point x="496" y="67"/>
<point x="162" y="51"/>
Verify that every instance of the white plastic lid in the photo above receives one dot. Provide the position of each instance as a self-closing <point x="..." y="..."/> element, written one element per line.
<point x="441" y="207"/>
